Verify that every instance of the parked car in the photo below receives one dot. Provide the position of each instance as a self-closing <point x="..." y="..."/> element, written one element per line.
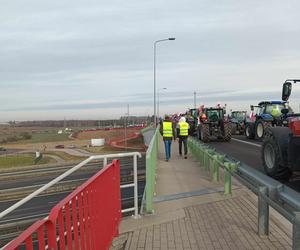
<point x="59" y="146"/>
<point x="2" y="149"/>
<point x="71" y="146"/>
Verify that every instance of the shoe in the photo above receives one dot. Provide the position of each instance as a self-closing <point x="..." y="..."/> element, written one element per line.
<point x="185" y="157"/>
<point x="167" y="159"/>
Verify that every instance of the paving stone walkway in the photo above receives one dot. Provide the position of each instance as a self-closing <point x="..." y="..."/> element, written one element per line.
<point x="226" y="224"/>
<point x="204" y="221"/>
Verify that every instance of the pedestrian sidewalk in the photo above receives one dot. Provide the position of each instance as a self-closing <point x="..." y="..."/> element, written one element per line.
<point x="191" y="212"/>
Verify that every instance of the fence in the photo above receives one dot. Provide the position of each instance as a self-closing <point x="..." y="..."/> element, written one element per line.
<point x="88" y="218"/>
<point x="151" y="162"/>
<point x="269" y="191"/>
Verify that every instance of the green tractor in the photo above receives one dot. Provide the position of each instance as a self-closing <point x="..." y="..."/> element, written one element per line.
<point x="192" y="120"/>
<point x="238" y="121"/>
<point x="213" y="123"/>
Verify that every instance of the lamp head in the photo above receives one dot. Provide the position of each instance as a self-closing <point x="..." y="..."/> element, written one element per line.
<point x="172" y="38"/>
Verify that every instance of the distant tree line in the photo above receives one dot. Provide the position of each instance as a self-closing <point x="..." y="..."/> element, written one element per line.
<point x="14" y="138"/>
<point x="132" y="120"/>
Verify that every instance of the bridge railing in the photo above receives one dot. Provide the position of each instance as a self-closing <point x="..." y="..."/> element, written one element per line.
<point x="151" y="164"/>
<point x="270" y="192"/>
<point x="88" y="218"/>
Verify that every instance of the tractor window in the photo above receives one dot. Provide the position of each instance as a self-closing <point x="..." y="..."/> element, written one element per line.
<point x="214" y="114"/>
<point x="194" y="112"/>
<point x="239" y="115"/>
<point x="261" y="110"/>
<point x="274" y="109"/>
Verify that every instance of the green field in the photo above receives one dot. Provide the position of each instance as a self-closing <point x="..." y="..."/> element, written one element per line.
<point x="21" y="160"/>
<point x="51" y="136"/>
<point x="41" y="137"/>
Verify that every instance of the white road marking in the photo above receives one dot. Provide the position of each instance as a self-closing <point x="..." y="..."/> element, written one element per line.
<point x="246" y="142"/>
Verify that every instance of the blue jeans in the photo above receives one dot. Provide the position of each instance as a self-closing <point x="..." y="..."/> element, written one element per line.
<point x="168" y="148"/>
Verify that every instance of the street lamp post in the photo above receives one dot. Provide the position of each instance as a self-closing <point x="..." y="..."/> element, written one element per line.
<point x="154" y="77"/>
<point x="125" y="127"/>
<point x="158" y="100"/>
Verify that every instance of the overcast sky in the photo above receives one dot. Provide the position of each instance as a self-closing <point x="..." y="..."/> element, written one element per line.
<point x="89" y="59"/>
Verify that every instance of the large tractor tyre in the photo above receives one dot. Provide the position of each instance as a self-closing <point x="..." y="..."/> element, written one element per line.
<point x="199" y="133"/>
<point x="227" y="132"/>
<point x="234" y="128"/>
<point x="261" y="129"/>
<point x="249" y="132"/>
<point x="271" y="160"/>
<point x="204" y="133"/>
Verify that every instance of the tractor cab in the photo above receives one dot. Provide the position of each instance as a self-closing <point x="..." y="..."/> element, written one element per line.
<point x="293" y="119"/>
<point x="214" y="114"/>
<point x="271" y="111"/>
<point x="239" y="115"/>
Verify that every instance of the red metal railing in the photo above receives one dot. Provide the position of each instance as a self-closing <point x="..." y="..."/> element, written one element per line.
<point x="88" y="218"/>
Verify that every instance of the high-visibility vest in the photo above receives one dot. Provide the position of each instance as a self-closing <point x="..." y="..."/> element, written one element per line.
<point x="167" y="129"/>
<point x="183" y="129"/>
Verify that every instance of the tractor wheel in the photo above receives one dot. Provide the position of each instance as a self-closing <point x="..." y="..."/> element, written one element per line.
<point x="233" y="128"/>
<point x="227" y="132"/>
<point x="249" y="134"/>
<point x="259" y="130"/>
<point x="271" y="159"/>
<point x="199" y="133"/>
<point x="204" y="133"/>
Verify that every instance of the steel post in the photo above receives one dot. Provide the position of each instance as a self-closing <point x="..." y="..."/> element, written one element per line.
<point x="227" y="179"/>
<point x="135" y="180"/>
<point x="216" y="172"/>
<point x="263" y="212"/>
<point x="296" y="231"/>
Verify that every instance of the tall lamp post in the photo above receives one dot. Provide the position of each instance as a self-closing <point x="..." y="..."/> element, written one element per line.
<point x="154" y="71"/>
<point x="158" y="100"/>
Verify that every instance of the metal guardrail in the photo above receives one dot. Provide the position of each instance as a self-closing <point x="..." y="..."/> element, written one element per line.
<point x="270" y="192"/>
<point x="151" y="163"/>
<point x="144" y="130"/>
<point x="78" y="166"/>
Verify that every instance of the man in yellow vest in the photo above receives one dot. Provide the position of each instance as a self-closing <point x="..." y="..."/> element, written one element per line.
<point x="182" y="133"/>
<point x="168" y="133"/>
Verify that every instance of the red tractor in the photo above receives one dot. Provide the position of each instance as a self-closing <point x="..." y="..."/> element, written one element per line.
<point x="281" y="146"/>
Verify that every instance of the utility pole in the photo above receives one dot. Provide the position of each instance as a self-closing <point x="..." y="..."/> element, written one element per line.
<point x="195" y="105"/>
<point x="126" y="120"/>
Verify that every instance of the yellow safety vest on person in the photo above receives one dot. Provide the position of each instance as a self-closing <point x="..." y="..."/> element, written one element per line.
<point x="183" y="129"/>
<point x="167" y="129"/>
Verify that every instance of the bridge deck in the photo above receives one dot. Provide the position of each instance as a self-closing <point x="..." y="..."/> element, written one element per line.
<point x="191" y="212"/>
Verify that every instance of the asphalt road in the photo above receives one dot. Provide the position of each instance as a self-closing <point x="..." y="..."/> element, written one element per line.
<point x="40" y="207"/>
<point x="249" y="152"/>
<point x="42" y="176"/>
<point x="43" y="204"/>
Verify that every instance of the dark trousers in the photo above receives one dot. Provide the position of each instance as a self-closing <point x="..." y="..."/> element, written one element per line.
<point x="184" y="141"/>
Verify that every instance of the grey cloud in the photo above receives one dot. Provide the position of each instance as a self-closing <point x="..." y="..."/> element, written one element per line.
<point x="56" y="54"/>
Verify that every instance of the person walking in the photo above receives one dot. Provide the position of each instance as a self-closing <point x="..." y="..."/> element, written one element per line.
<point x="168" y="133"/>
<point x="182" y="133"/>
